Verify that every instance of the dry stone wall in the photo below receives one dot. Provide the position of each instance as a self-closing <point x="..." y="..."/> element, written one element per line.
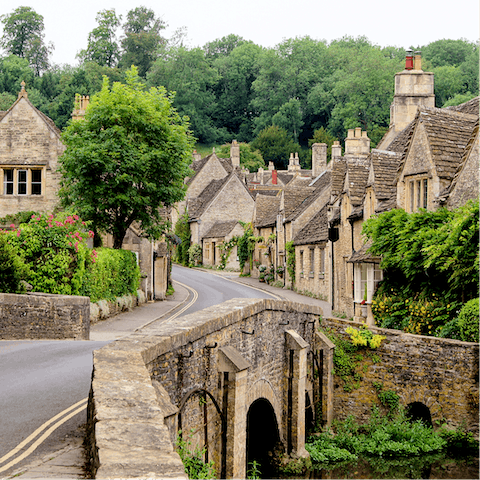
<point x="42" y="316"/>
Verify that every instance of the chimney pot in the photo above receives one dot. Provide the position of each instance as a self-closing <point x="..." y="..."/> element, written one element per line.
<point x="409" y="60"/>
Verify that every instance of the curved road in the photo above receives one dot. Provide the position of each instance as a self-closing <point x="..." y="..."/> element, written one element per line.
<point x="40" y="379"/>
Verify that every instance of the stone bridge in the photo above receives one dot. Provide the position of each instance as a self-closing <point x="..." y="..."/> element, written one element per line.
<point x="246" y="377"/>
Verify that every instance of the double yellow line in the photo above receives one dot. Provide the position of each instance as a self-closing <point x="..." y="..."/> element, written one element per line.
<point x="62" y="417"/>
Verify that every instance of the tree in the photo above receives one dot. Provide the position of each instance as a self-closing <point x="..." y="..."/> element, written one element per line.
<point x="249" y="158"/>
<point x="275" y="145"/>
<point x="23" y="36"/>
<point x="102" y="43"/>
<point x="141" y="39"/>
<point x="127" y="159"/>
<point x="323" y="136"/>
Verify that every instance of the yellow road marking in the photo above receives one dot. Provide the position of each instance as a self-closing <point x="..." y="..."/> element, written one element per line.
<point x="194" y="299"/>
<point x="34" y="446"/>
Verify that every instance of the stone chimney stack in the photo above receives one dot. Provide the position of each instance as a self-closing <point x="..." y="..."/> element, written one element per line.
<point x="196" y="156"/>
<point x="260" y="175"/>
<point x="235" y="154"/>
<point x="319" y="158"/>
<point x="357" y="143"/>
<point x="81" y="105"/>
<point x="271" y="166"/>
<point x="413" y="88"/>
<point x="336" y="149"/>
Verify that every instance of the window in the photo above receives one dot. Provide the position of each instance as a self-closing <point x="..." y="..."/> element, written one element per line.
<point x="36" y="182"/>
<point x="312" y="261"/>
<point x="418" y="194"/>
<point x="8" y="182"/>
<point x="412" y="196"/>
<point x="301" y="262"/>
<point x="22" y="181"/>
<point x="322" y="261"/>
<point x="425" y="193"/>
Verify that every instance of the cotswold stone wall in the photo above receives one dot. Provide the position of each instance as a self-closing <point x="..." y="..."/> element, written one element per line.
<point x="440" y="373"/>
<point x="42" y="316"/>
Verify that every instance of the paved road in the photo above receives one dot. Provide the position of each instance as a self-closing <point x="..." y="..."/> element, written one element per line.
<point x="213" y="289"/>
<point x="40" y="379"/>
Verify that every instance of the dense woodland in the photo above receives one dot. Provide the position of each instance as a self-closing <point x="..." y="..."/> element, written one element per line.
<point x="232" y="88"/>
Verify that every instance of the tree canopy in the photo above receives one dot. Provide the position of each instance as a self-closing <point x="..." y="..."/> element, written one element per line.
<point x="23" y="36"/>
<point x="127" y="159"/>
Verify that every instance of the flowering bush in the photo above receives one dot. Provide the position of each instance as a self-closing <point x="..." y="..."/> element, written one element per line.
<point x="364" y="337"/>
<point x="54" y="251"/>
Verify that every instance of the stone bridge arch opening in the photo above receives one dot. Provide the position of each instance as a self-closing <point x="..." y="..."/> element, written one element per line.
<point x="263" y="436"/>
<point x="419" y="411"/>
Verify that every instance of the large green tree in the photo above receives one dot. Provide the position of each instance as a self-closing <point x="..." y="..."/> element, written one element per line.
<point x="127" y="159"/>
<point x="141" y="40"/>
<point x="23" y="35"/>
<point x="102" y="41"/>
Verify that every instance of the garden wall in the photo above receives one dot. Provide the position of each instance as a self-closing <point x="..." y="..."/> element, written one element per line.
<point x="43" y="316"/>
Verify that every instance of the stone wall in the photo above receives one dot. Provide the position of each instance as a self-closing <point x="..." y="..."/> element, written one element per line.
<point x="42" y="316"/>
<point x="148" y="385"/>
<point x="440" y="373"/>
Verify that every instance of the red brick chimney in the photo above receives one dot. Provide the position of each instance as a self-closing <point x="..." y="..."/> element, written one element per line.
<point x="409" y="60"/>
<point x="274" y="177"/>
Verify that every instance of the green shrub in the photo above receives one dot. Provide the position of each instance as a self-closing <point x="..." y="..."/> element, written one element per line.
<point x="467" y="321"/>
<point x="115" y="273"/>
<point x="192" y="458"/>
<point x="12" y="269"/>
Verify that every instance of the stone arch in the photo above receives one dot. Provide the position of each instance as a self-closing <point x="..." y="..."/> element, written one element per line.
<point x="423" y="396"/>
<point x="262" y="388"/>
<point x="419" y="411"/>
<point x="263" y="437"/>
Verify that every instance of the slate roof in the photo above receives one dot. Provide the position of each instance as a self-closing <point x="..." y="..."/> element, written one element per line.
<point x="470" y="107"/>
<point x="221" y="229"/>
<point x="385" y="167"/>
<point x="319" y="186"/>
<point x="315" y="231"/>
<point x="197" y="165"/>
<point x="357" y="174"/>
<point x="293" y="197"/>
<point x="198" y="205"/>
<point x="362" y="256"/>
<point x="448" y="134"/>
<point x="266" y="210"/>
<point x="400" y="142"/>
<point x="339" y="169"/>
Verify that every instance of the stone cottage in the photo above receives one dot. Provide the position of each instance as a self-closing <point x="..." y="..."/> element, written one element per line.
<point x="30" y="146"/>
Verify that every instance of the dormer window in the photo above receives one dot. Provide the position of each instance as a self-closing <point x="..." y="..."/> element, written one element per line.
<point x="417" y="192"/>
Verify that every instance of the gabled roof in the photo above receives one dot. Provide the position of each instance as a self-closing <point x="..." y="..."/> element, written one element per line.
<point x="356" y="180"/>
<point x="198" y="165"/>
<point x="400" y="142"/>
<point x="319" y="185"/>
<point x="315" y="231"/>
<point x="293" y="197"/>
<point x="266" y="210"/>
<point x="448" y="134"/>
<point x="339" y="169"/>
<point x="470" y="107"/>
<point x="362" y="256"/>
<point x="384" y="168"/>
<point x="221" y="229"/>
<point x="48" y="121"/>
<point x="198" y="205"/>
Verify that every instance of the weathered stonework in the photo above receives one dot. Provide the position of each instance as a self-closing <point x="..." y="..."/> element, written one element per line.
<point x="202" y="374"/>
<point x="42" y="316"/>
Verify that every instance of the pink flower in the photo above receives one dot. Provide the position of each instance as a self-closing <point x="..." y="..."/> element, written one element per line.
<point x="18" y="233"/>
<point x="12" y="225"/>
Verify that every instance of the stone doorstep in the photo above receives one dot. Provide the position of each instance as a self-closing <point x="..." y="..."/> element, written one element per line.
<point x="67" y="463"/>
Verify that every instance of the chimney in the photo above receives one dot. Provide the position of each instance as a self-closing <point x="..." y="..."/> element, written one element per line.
<point x="196" y="156"/>
<point x="260" y="175"/>
<point x="357" y="142"/>
<point x="22" y="93"/>
<point x="319" y="158"/>
<point x="418" y="60"/>
<point x="409" y="60"/>
<point x="274" y="177"/>
<point x="271" y="166"/>
<point x="81" y="105"/>
<point x="291" y="163"/>
<point x="235" y="154"/>
<point x="336" y="149"/>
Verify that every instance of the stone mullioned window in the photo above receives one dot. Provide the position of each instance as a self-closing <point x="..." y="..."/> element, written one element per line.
<point x="22" y="181"/>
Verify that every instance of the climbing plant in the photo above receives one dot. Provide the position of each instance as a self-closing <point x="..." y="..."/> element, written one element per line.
<point x="246" y="244"/>
<point x="194" y="254"/>
<point x="291" y="261"/>
<point x="182" y="230"/>
<point x="226" y="249"/>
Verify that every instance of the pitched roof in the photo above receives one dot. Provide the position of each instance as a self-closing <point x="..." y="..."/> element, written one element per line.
<point x="339" y="169"/>
<point x="470" y="107"/>
<point x="198" y="205"/>
<point x="221" y="229"/>
<point x="315" y="231"/>
<point x="318" y="185"/>
<point x="197" y="165"/>
<point x="357" y="177"/>
<point x="266" y="210"/>
<point x="384" y="168"/>
<point x="362" y="256"/>
<point x="400" y="142"/>
<point x="448" y="134"/>
<point x="293" y="197"/>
